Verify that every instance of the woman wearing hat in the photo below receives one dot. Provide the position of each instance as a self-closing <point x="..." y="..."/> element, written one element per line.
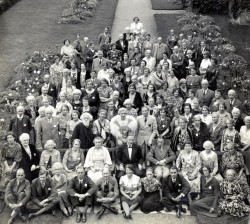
<point x="130" y="187"/>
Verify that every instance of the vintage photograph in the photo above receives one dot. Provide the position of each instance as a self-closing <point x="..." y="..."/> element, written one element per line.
<point x="116" y="111"/>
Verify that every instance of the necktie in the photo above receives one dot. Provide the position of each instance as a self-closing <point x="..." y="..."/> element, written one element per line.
<point x="204" y="93"/>
<point x="80" y="185"/>
<point x="100" y="62"/>
<point x="43" y="189"/>
<point x="145" y="120"/>
<point x="49" y="163"/>
<point x="231" y="102"/>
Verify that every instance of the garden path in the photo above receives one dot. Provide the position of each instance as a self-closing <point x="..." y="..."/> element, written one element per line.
<point x="127" y="10"/>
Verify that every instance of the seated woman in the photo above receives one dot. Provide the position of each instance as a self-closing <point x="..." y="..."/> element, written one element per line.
<point x="191" y="97"/>
<point x="210" y="159"/>
<point x="105" y="91"/>
<point x="177" y="100"/>
<point x="151" y="193"/>
<point x="210" y="189"/>
<point x="11" y="156"/>
<point x="158" y="77"/>
<point x="58" y="188"/>
<point x="216" y="101"/>
<point x="189" y="163"/>
<point x="232" y="159"/>
<point x="122" y="125"/>
<point x="233" y="194"/>
<point x="205" y="116"/>
<point x="163" y="124"/>
<point x="165" y="92"/>
<point x="97" y="158"/>
<point x="193" y="80"/>
<point x="49" y="155"/>
<point x="71" y="125"/>
<point x="229" y="134"/>
<point x="73" y="158"/>
<point x="130" y="187"/>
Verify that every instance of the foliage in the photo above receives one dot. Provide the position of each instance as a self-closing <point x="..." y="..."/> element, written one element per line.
<point x="79" y="11"/>
<point x="208" y="6"/>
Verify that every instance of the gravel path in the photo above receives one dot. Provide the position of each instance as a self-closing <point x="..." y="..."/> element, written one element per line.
<point x="127" y="9"/>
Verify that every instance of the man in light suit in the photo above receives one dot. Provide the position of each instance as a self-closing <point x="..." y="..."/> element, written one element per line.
<point x="147" y="129"/>
<point x="41" y="201"/>
<point x="103" y="36"/>
<point x="205" y="95"/>
<point x="159" y="49"/>
<point x="20" y="123"/>
<point x="17" y="194"/>
<point x="129" y="153"/>
<point x="162" y="157"/>
<point x="107" y="192"/>
<point x="52" y="91"/>
<point x="81" y="190"/>
<point x="39" y="99"/>
<point x="99" y="61"/>
<point x="232" y="102"/>
<point x="47" y="128"/>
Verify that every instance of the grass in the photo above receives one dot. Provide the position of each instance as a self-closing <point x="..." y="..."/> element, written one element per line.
<point x="166" y="4"/>
<point x="33" y="25"/>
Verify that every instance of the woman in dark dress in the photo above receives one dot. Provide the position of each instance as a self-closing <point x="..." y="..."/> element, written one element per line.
<point x="237" y="119"/>
<point x="30" y="158"/>
<point x="209" y="195"/>
<point x="151" y="193"/>
<point x="163" y="124"/>
<point x="76" y="102"/>
<point x="212" y="74"/>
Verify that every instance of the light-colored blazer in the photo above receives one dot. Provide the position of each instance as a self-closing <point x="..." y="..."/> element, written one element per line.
<point x="96" y="64"/>
<point x="146" y="131"/>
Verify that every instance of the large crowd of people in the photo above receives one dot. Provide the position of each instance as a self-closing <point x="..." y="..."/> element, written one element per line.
<point x="132" y="120"/>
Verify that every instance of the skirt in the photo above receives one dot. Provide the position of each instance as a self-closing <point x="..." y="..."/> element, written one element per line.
<point x="131" y="202"/>
<point x="151" y="202"/>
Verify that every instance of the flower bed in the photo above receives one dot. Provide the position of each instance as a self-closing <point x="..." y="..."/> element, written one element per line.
<point x="79" y="11"/>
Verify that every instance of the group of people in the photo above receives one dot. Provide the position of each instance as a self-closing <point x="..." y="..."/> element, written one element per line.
<point x="133" y="120"/>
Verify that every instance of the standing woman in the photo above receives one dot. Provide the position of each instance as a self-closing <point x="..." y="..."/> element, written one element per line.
<point x="136" y="26"/>
<point x="210" y="189"/>
<point x="212" y="74"/>
<point x="149" y="94"/>
<point x="163" y="124"/>
<point x="105" y="91"/>
<point x="132" y="44"/>
<point x="152" y="193"/>
<point x="67" y="49"/>
<point x="130" y="187"/>
<point x="30" y="158"/>
<point x="11" y="156"/>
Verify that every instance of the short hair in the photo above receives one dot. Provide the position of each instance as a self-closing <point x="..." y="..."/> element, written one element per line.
<point x="65" y="106"/>
<point x="205" y="166"/>
<point x="208" y="144"/>
<point x="105" y="80"/>
<point x="44" y="87"/>
<point x="136" y="17"/>
<point x="75" y="112"/>
<point x="49" y="109"/>
<point x="98" y="138"/>
<point x="174" y="168"/>
<point x="20" y="107"/>
<point x="66" y="40"/>
<point x="205" y="107"/>
<point x="24" y="136"/>
<point x="150" y="169"/>
<point x="50" y="141"/>
<point x="122" y="109"/>
<point x="42" y="108"/>
<point x="8" y="133"/>
<point x="76" y="140"/>
<point x="57" y="165"/>
<point x="62" y="93"/>
<point x="236" y="110"/>
<point x="42" y="171"/>
<point x="247" y="118"/>
<point x="204" y="81"/>
<point x="231" y="91"/>
<point x="80" y="167"/>
<point x="197" y="116"/>
<point x="30" y="97"/>
<point x="131" y="167"/>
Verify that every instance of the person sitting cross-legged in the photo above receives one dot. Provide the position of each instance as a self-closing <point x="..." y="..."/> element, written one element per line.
<point x="107" y="192"/>
<point x="81" y="189"/>
<point x="41" y="201"/>
<point x="17" y="194"/>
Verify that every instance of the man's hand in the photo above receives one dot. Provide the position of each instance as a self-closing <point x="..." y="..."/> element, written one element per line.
<point x="42" y="203"/>
<point x="211" y="210"/>
<point x="33" y="167"/>
<point x="139" y="166"/>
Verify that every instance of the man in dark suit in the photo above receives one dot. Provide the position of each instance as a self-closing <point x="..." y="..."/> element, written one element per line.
<point x="107" y="192"/>
<point x="200" y="51"/>
<point x="177" y="60"/>
<point x="17" y="194"/>
<point x="52" y="91"/>
<point x="90" y="55"/>
<point x="175" y="189"/>
<point x="205" y="95"/>
<point x="20" y="123"/>
<point x="162" y="157"/>
<point x="129" y="153"/>
<point x="103" y="36"/>
<point x="39" y="99"/>
<point x="81" y="190"/>
<point x="232" y="102"/>
<point x="41" y="201"/>
<point x="122" y="44"/>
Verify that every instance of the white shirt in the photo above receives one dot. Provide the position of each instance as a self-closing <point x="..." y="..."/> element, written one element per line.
<point x="129" y="151"/>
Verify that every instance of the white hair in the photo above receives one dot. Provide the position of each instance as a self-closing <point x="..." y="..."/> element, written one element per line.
<point x="88" y="115"/>
<point x="231" y="91"/>
<point x="208" y="144"/>
<point x="30" y="97"/>
<point x="236" y="110"/>
<point x="49" y="142"/>
<point x="42" y="108"/>
<point x="24" y="136"/>
<point x="20" y="107"/>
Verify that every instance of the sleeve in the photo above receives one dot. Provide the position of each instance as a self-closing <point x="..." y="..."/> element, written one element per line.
<point x="18" y="154"/>
<point x="216" y="193"/>
<point x="93" y="187"/>
<point x="70" y="190"/>
<point x="65" y="158"/>
<point x="42" y="160"/>
<point x="33" y="194"/>
<point x="150" y="156"/>
<point x="27" y="191"/>
<point x="186" y="186"/>
<point x="39" y="135"/>
<point x="154" y="131"/>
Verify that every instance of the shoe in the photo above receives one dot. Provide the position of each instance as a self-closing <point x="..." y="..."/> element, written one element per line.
<point x="101" y="212"/>
<point x="84" y="218"/>
<point x="65" y="212"/>
<point x="178" y="213"/>
<point x="78" y="217"/>
<point x="10" y="221"/>
<point x="183" y="210"/>
<point x="70" y="211"/>
<point x="130" y="217"/>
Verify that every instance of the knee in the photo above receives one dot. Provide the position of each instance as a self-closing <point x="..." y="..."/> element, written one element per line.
<point x="21" y="195"/>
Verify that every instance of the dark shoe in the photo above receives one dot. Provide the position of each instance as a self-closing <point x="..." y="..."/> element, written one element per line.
<point x="84" y="218"/>
<point x="101" y="212"/>
<point x="111" y="209"/>
<point x="78" y="217"/>
<point x="31" y="215"/>
<point x="129" y="216"/>
<point x="178" y="213"/>
<point x="183" y="210"/>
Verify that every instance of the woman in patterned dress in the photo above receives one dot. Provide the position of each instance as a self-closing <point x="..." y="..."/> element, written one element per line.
<point x="11" y="155"/>
<point x="105" y="91"/>
<point x="151" y="193"/>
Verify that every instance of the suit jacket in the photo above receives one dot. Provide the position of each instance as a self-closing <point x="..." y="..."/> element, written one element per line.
<point x="52" y="91"/>
<point x="236" y="103"/>
<point x="121" y="48"/>
<point x="37" y="195"/>
<point x="122" y="155"/>
<point x="89" y="58"/>
<point x="112" y="187"/>
<point x="137" y="103"/>
<point x="146" y="131"/>
<point x="215" y="135"/>
<point x="156" y="154"/>
<point x="88" y="186"/>
<point x="171" y="189"/>
<point x="102" y="37"/>
<point x="26" y="162"/>
<point x="96" y="64"/>
<point x="199" y="54"/>
<point x="47" y="131"/>
<point x="20" y="127"/>
<point x="13" y="189"/>
<point x="159" y="50"/>
<point x="39" y="101"/>
<point x="207" y="99"/>
<point x="177" y="60"/>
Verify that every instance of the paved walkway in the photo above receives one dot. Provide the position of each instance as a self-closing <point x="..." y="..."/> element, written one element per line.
<point x="127" y="10"/>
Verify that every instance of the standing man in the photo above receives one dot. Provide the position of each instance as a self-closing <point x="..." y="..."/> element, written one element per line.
<point x="159" y="49"/>
<point x="81" y="190"/>
<point x="103" y="36"/>
<point x="44" y="95"/>
<point x="122" y="44"/>
<point x="205" y="95"/>
<point x="177" y="60"/>
<point x="175" y="189"/>
<point x="99" y="61"/>
<point x="17" y="194"/>
<point x="107" y="192"/>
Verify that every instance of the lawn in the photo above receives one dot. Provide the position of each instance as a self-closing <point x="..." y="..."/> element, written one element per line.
<point x="166" y="4"/>
<point x="33" y="25"/>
